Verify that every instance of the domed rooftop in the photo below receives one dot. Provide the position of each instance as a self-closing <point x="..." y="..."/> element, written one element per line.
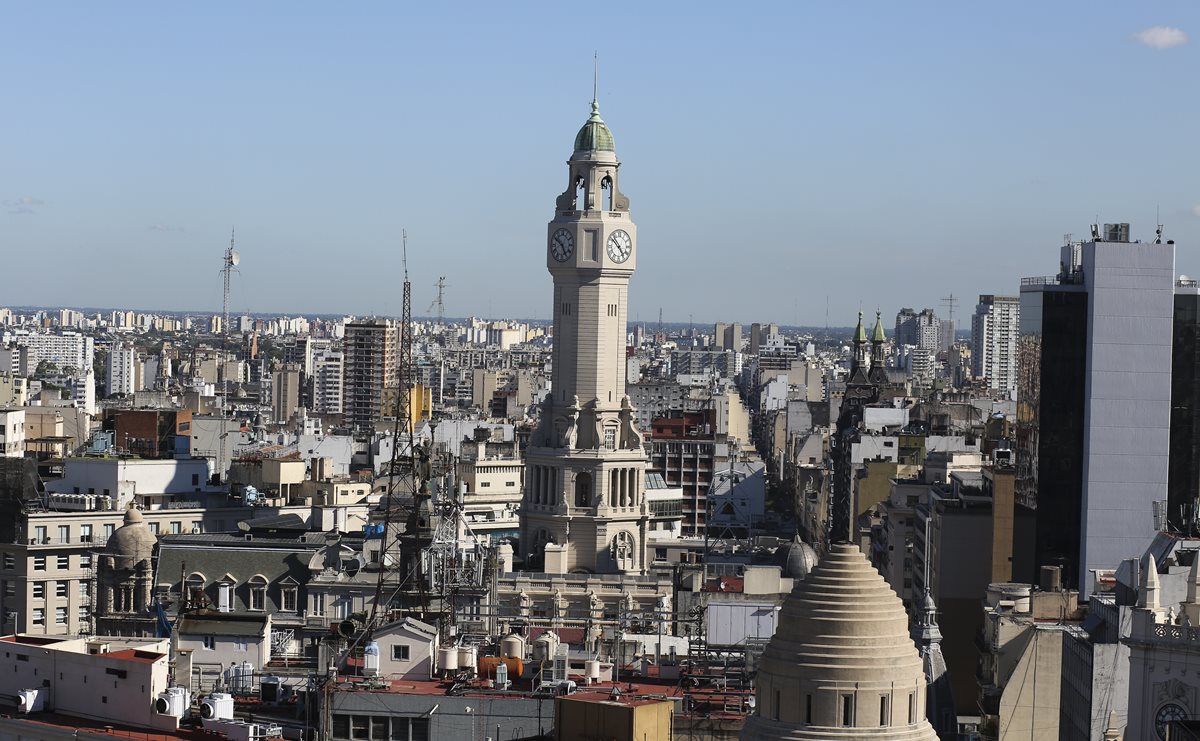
<point x="796" y="559"/>
<point x="594" y="136"/>
<point x="132" y="543"/>
<point x="842" y="645"/>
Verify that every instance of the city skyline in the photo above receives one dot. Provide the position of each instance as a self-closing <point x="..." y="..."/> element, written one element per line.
<point x="322" y="136"/>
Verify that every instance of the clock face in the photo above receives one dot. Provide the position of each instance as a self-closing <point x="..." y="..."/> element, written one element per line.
<point x="620" y="246"/>
<point x="1167" y="713"/>
<point x="562" y="245"/>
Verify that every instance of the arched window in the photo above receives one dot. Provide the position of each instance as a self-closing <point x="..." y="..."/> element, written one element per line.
<point x="193" y="590"/>
<point x="622" y="551"/>
<point x="606" y="191"/>
<point x="258" y="592"/>
<point x="580" y="194"/>
<point x="583" y="490"/>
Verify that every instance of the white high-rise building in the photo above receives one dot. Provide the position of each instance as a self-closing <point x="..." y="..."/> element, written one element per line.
<point x="584" y="506"/>
<point x="995" y="327"/>
<point x="120" y="370"/>
<point x="327" y="382"/>
<point x="66" y="350"/>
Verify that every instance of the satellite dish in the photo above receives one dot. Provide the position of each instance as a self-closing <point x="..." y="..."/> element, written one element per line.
<point x="234" y="257"/>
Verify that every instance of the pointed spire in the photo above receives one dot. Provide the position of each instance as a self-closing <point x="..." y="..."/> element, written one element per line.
<point x="1150" y="584"/>
<point x="860" y="334"/>
<point x="878" y="336"/>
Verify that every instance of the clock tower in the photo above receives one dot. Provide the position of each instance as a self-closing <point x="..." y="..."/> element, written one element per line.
<point x="584" y="508"/>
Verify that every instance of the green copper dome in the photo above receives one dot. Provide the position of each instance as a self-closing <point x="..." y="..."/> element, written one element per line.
<point x="594" y="136"/>
<point x="860" y="334"/>
<point x="878" y="335"/>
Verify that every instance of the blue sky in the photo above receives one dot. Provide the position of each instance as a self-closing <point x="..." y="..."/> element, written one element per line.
<point x="776" y="154"/>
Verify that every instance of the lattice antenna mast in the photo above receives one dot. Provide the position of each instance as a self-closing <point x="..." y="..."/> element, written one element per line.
<point x="232" y="258"/>
<point x="950" y="303"/>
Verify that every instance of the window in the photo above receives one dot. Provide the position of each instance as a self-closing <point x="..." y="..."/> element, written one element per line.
<point x="195" y="479"/>
<point x="39" y="590"/>
<point x="176" y="528"/>
<point x="64" y="533"/>
<point x="39" y="616"/>
<point x="85" y="589"/>
<point x="288" y="599"/>
<point x="109" y="529"/>
<point x="85" y="561"/>
<point x="154" y="527"/>
<point x="39" y="563"/>
<point x="777" y="704"/>
<point x="210" y="643"/>
<point x="83" y="614"/>
<point x="60" y="616"/>
<point x="847" y="710"/>
<point x="808" y="709"/>
<point x="318" y="605"/>
<point x="85" y="533"/>
<point x="10" y="562"/>
<point x="63" y="563"/>
<point x="10" y="588"/>
<point x="360" y="726"/>
<point x="240" y="644"/>
<point x="484" y="484"/>
<point x="258" y="593"/>
<point x="399" y="653"/>
<point x="60" y="589"/>
<point x="912" y="708"/>
<point x="39" y="534"/>
<point x="883" y="710"/>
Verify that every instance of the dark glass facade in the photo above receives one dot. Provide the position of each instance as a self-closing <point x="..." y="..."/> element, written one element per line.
<point x="1052" y="352"/>
<point x="1183" y="478"/>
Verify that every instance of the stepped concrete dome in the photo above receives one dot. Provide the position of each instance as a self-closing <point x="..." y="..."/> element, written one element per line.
<point x="841" y="664"/>
<point x="594" y="136"/>
<point x="796" y="559"/>
<point x="132" y="543"/>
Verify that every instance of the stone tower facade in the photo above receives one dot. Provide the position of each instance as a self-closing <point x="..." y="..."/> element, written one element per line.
<point x="584" y="508"/>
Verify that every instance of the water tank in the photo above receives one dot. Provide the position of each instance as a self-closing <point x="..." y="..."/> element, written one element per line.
<point x="545" y="646"/>
<point x="512" y="647"/>
<point x="173" y="702"/>
<point x="591" y="671"/>
<point x="217" y="706"/>
<point x="268" y="688"/>
<point x="467" y="657"/>
<point x="371" y="659"/>
<point x="448" y="659"/>
<point x="30" y="701"/>
<point x="501" y="677"/>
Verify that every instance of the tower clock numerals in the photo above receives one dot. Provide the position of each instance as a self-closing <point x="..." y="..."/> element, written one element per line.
<point x="620" y="246"/>
<point x="562" y="245"/>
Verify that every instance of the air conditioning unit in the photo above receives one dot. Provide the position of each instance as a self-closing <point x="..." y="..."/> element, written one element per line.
<point x="174" y="702"/>
<point x="31" y="700"/>
<point x="217" y="706"/>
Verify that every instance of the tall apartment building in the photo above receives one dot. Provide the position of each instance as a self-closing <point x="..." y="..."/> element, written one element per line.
<point x="120" y="371"/>
<point x="285" y="392"/>
<point x="922" y="329"/>
<point x="370" y="352"/>
<point x="728" y="336"/>
<point x="69" y="349"/>
<point x="327" y="370"/>
<point x="1094" y="401"/>
<point x="994" y="330"/>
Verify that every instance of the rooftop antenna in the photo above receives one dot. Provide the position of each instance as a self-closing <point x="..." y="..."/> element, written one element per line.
<point x="595" y="77"/>
<point x="951" y="303"/>
<point x="232" y="258"/>
<point x="1158" y="220"/>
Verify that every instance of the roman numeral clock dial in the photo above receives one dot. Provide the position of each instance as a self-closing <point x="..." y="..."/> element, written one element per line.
<point x="562" y="245"/>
